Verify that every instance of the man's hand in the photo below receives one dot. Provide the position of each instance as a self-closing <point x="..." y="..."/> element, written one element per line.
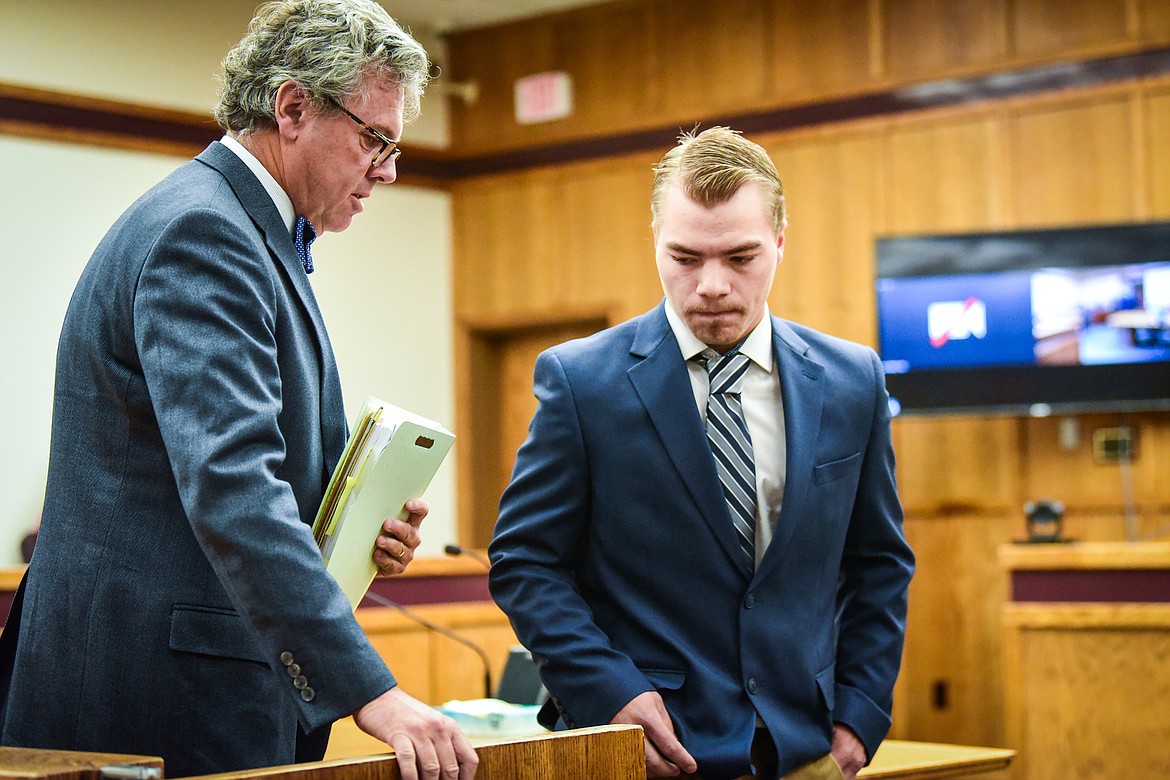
<point x="665" y="755"/>
<point x="428" y="744"/>
<point x="394" y="548"/>
<point x="848" y="751"/>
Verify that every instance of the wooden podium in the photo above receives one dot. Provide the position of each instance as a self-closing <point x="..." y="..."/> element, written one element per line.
<point x="604" y="752"/>
<point x="1087" y="659"/>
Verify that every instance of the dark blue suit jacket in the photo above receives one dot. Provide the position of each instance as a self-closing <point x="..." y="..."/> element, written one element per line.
<point x="615" y="558"/>
<point x="197" y="418"/>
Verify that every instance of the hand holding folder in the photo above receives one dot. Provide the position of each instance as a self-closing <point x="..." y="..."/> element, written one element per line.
<point x="390" y="458"/>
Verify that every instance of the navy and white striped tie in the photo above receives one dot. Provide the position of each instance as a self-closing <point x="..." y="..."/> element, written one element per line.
<point x="731" y="444"/>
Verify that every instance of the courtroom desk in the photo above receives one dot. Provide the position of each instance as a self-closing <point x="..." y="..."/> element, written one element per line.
<point x="1087" y="659"/>
<point x="897" y="758"/>
<point x="32" y="764"/>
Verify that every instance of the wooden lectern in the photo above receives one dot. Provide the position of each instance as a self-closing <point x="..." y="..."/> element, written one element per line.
<point x="1087" y="659"/>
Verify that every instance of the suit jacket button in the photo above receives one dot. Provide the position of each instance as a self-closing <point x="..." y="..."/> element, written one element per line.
<point x="294" y="670"/>
<point x="749" y="601"/>
<point x="752" y="685"/>
<point x="308" y="694"/>
<point x="300" y="682"/>
<point x="286" y="658"/>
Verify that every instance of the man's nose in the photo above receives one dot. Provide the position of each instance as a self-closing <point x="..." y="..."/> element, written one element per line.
<point x="713" y="281"/>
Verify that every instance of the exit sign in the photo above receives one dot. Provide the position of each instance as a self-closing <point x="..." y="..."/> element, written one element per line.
<point x="543" y="97"/>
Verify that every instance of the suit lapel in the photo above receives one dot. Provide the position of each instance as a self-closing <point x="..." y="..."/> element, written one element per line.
<point x="264" y="214"/>
<point x="803" y="396"/>
<point x="661" y="380"/>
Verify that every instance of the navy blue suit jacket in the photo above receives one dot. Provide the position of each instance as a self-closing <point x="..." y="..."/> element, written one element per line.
<point x="616" y="561"/>
<point x="196" y="420"/>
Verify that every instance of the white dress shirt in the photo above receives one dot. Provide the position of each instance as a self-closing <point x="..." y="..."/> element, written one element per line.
<point x="283" y="202"/>
<point x="762" y="410"/>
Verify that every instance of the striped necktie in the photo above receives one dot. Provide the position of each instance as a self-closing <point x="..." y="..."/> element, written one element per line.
<point x="303" y="235"/>
<point x="731" y="444"/>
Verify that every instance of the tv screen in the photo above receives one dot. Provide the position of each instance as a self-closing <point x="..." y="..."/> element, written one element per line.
<point x="1037" y="321"/>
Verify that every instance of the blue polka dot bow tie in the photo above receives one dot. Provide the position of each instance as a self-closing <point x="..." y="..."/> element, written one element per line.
<point x="303" y="236"/>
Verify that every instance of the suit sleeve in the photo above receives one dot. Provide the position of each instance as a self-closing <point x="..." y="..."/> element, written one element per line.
<point x="205" y="319"/>
<point x="877" y="566"/>
<point x="543" y="524"/>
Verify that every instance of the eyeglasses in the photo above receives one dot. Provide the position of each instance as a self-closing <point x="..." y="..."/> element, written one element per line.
<point x="389" y="149"/>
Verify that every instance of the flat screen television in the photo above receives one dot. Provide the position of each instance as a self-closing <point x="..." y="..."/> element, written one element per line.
<point x="1027" y="322"/>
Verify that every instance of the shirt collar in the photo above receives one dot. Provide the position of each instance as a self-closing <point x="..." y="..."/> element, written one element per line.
<point x="279" y="197"/>
<point x="757" y="346"/>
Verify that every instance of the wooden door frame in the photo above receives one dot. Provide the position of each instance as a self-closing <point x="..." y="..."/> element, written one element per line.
<point x="478" y="341"/>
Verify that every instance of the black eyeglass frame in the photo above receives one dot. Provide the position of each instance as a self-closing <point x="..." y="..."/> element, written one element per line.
<point x="390" y="148"/>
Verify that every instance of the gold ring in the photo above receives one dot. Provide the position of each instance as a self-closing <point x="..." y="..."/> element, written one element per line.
<point x="401" y="553"/>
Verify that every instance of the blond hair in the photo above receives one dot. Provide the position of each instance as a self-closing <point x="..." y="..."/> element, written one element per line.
<point x="711" y="166"/>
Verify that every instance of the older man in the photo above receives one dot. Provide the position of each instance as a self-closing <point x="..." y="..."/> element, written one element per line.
<point x="176" y="604"/>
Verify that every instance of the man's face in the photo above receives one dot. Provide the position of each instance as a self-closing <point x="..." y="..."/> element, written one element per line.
<point x="333" y="173"/>
<point x="717" y="264"/>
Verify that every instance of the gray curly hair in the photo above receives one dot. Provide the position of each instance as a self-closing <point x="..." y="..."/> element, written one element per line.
<point x="329" y="48"/>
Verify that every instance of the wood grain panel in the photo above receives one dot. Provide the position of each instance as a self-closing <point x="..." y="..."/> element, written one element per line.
<point x="943" y="175"/>
<point x="833" y="191"/>
<point x="1073" y="475"/>
<point x="957" y="463"/>
<point x="1047" y="27"/>
<point x="1072" y="163"/>
<point x="1157" y="167"/>
<point x="951" y="681"/>
<point x="1154" y="20"/>
<point x="927" y="38"/>
<point x="841" y="62"/>
<point x="1087" y="690"/>
<point x="694" y="86"/>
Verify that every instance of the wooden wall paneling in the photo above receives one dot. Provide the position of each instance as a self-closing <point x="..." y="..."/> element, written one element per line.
<point x="1157" y="163"/>
<point x="929" y="38"/>
<point x="610" y="93"/>
<point x="831" y="183"/>
<point x="952" y="675"/>
<point x="1043" y="28"/>
<point x="824" y="53"/>
<point x="944" y="175"/>
<point x="605" y="251"/>
<point x="719" y="65"/>
<point x="1085" y="689"/>
<point x="501" y="355"/>
<point x="506" y="229"/>
<point x="493" y="58"/>
<point x="1074" y="477"/>
<point x="1116" y="524"/>
<point x="1154" y="20"/>
<point x="1070" y="161"/>
<point x="961" y="463"/>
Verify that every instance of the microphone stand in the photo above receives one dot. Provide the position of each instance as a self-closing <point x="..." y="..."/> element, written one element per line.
<point x="433" y="626"/>
<point x="454" y="549"/>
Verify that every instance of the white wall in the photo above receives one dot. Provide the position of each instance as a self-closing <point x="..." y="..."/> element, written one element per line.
<point x="385" y="281"/>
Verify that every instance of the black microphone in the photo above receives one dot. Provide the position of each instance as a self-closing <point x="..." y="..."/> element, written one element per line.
<point x="433" y="626"/>
<point x="454" y="549"/>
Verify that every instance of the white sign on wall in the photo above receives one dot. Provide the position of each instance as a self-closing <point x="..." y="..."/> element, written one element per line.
<point x="543" y="97"/>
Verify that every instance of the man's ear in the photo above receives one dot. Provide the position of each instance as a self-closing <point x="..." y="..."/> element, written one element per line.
<point x="291" y="108"/>
<point x="780" y="245"/>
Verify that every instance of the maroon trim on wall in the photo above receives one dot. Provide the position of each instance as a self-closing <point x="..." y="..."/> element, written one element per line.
<point x="1092" y="585"/>
<point x="130" y="122"/>
<point x="108" y="120"/>
<point x="936" y="94"/>
<point x="411" y="591"/>
<point x="6" y="599"/>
